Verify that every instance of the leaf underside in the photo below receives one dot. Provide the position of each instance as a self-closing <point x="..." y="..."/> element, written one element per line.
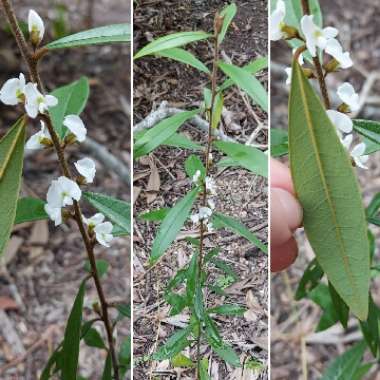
<point x="327" y="188"/>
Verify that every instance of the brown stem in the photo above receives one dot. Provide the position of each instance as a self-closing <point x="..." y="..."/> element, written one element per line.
<point x="32" y="64"/>
<point x="317" y="65"/>
<point x="204" y="195"/>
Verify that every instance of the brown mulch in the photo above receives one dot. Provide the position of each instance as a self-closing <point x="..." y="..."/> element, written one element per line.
<point x="43" y="266"/>
<point x="294" y="345"/>
<point x="240" y="194"/>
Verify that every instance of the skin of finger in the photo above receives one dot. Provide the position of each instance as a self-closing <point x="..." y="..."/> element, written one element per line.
<point x="280" y="176"/>
<point x="284" y="255"/>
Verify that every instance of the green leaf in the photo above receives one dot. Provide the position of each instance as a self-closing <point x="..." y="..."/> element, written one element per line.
<point x="225" y="267"/>
<point x="181" y="361"/>
<point x="278" y="142"/>
<point x="341" y="309"/>
<point x="310" y="279"/>
<point x="191" y="277"/>
<point x="172" y="224"/>
<point x="223" y="221"/>
<point x="51" y="364"/>
<point x="107" y="371"/>
<point x="184" y="56"/>
<point x="11" y="162"/>
<point x="221" y="348"/>
<point x="72" y="100"/>
<point x="370" y="328"/>
<point x="93" y="339"/>
<point x="217" y="110"/>
<point x="345" y="366"/>
<point x="247" y="83"/>
<point x="155" y="215"/>
<point x="101" y="267"/>
<point x="124" y="311"/>
<point x="373" y="207"/>
<point x="327" y="188"/>
<point x="118" y="211"/>
<point x="29" y="210"/>
<point x="227" y="310"/>
<point x="192" y="164"/>
<point x="228" y="13"/>
<point x="199" y="308"/>
<point x="171" y="41"/>
<point x="246" y="156"/>
<point x="253" y="68"/>
<point x="101" y="35"/>
<point x="125" y="355"/>
<point x="174" y="345"/>
<point x="160" y="133"/>
<point x="70" y="349"/>
<point x="370" y="130"/>
<point x="179" y="140"/>
<point x="119" y="231"/>
<point x="362" y="371"/>
<point x="203" y="373"/>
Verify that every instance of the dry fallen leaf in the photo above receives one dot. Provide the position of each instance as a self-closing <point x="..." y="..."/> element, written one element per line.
<point x="154" y="182"/>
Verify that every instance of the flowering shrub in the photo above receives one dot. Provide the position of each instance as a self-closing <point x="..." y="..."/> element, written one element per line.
<point x="186" y="291"/>
<point x="322" y="161"/>
<point x="61" y="126"/>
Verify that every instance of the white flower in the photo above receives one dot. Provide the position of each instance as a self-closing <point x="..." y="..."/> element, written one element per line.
<point x="315" y="36"/>
<point x="76" y="126"/>
<point x="346" y="142"/>
<point x="36" y="27"/>
<point x="94" y="220"/>
<point x="195" y="218"/>
<point x="55" y="214"/>
<point x="210" y="157"/>
<point x="211" y="204"/>
<point x="62" y="192"/>
<point x="210" y="185"/>
<point x="103" y="233"/>
<point x="36" y="102"/>
<point x="357" y="154"/>
<point x="288" y="71"/>
<point x="210" y="227"/>
<point x="86" y="168"/>
<point x="196" y="176"/>
<point x="204" y="213"/>
<point x="348" y="96"/>
<point x="12" y="91"/>
<point x="340" y="120"/>
<point x="334" y="48"/>
<point x="277" y="21"/>
<point x="39" y="139"/>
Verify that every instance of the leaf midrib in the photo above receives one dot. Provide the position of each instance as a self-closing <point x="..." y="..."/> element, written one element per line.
<point x="309" y="124"/>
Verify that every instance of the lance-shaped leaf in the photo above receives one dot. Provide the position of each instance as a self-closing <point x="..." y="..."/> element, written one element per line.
<point x="11" y="161"/>
<point x="171" y="225"/>
<point x="29" y="210"/>
<point x="184" y="56"/>
<point x="116" y="210"/>
<point x="247" y="83"/>
<point x="171" y="41"/>
<point x="102" y="35"/>
<point x="160" y="133"/>
<point x="370" y="130"/>
<point x="72" y="100"/>
<point x="70" y="349"/>
<point x="246" y="156"/>
<point x="328" y="190"/>
<point x="228" y="13"/>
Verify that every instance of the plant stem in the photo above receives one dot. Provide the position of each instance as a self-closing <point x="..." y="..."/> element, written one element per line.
<point x="204" y="196"/>
<point x="32" y="64"/>
<point x="317" y="65"/>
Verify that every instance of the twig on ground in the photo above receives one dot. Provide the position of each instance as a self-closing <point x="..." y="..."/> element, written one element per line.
<point x="10" y="334"/>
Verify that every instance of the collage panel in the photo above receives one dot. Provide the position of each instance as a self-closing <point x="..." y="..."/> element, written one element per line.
<point x="324" y="190"/>
<point x="65" y="135"/>
<point x="200" y="262"/>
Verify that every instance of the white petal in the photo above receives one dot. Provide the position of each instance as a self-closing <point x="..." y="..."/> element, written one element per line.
<point x="360" y="161"/>
<point x="347" y="141"/>
<point x="50" y="100"/>
<point x="75" y="124"/>
<point x="334" y="48"/>
<point x="340" y="120"/>
<point x="308" y="29"/>
<point x="55" y="213"/>
<point x="53" y="196"/>
<point x="103" y="233"/>
<point x="194" y="218"/>
<point x="70" y="189"/>
<point x="94" y="220"/>
<point x="348" y="95"/>
<point x="32" y="96"/>
<point x="36" y="24"/>
<point x="34" y="142"/>
<point x="330" y="32"/>
<point x="288" y="71"/>
<point x="358" y="150"/>
<point x="86" y="167"/>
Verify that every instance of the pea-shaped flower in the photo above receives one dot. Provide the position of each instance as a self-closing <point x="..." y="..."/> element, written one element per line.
<point x="55" y="214"/>
<point x="103" y="233"/>
<point x="315" y="36"/>
<point x="36" y="27"/>
<point x="348" y="96"/>
<point x="36" y="102"/>
<point x="12" y="91"/>
<point x="86" y="168"/>
<point x="76" y="126"/>
<point x="340" y="120"/>
<point x="210" y="185"/>
<point x="277" y="21"/>
<point x="39" y="140"/>
<point x="334" y="48"/>
<point x="62" y="192"/>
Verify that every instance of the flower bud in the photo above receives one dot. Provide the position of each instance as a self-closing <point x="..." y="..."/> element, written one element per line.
<point x="344" y="108"/>
<point x="331" y="66"/>
<point x="309" y="73"/>
<point x="36" y="28"/>
<point x="290" y="32"/>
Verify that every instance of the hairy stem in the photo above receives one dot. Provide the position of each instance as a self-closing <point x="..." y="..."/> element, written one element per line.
<point x="317" y="65"/>
<point x="202" y="226"/>
<point x="32" y="64"/>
